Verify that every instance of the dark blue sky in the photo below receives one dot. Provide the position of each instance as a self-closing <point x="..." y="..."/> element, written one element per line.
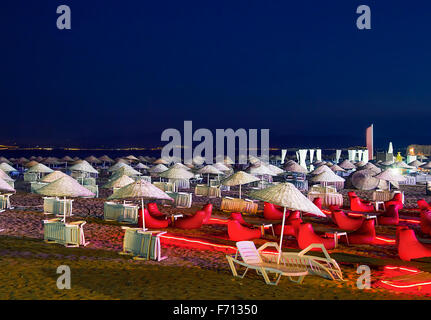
<point x="129" y="69"/>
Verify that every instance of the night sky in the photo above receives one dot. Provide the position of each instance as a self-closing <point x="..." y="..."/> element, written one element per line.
<point x="130" y="69"/>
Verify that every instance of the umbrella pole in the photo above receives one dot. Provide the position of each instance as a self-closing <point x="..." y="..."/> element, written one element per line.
<point x="64" y="208"/>
<point x="281" y="235"/>
<point x="143" y="219"/>
<point x="208" y="179"/>
<point x="240" y="191"/>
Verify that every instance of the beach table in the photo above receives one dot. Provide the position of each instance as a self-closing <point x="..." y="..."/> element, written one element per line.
<point x="238" y="205"/>
<point x="54" y="205"/>
<point x="143" y="245"/>
<point x="120" y="212"/>
<point x="337" y="235"/>
<point x="68" y="234"/>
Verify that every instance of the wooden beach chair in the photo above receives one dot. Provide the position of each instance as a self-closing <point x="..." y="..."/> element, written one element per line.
<point x="291" y="264"/>
<point x="67" y="234"/>
<point x="264" y="264"/>
<point x="143" y="245"/>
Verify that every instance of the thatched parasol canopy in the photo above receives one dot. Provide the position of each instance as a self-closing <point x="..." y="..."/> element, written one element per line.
<point x="327" y="176"/>
<point x="117" y="166"/>
<point x="40" y="168"/>
<point x="177" y="173"/>
<point x="30" y="164"/>
<point x="260" y="170"/>
<point x="67" y="159"/>
<point x="347" y="165"/>
<point x="416" y="163"/>
<point x="65" y="187"/>
<point x="390" y="175"/>
<point x="141" y="166"/>
<point x="5" y="176"/>
<point x="426" y="165"/>
<point x="292" y="166"/>
<point x="239" y="178"/>
<point x="209" y="169"/>
<point x="119" y="182"/>
<point x="403" y="165"/>
<point x="287" y="196"/>
<point x="126" y="170"/>
<point x="158" y="168"/>
<point x="7" y="167"/>
<point x="179" y="165"/>
<point x="275" y="169"/>
<point x="320" y="169"/>
<point x="364" y="180"/>
<point x="140" y="189"/>
<point x="336" y="168"/>
<point x="83" y="166"/>
<point x="93" y="159"/>
<point x="132" y="158"/>
<point x="53" y="177"/>
<point x="3" y="159"/>
<point x="221" y="166"/>
<point x="5" y="187"/>
<point x="106" y="159"/>
<point x="161" y="161"/>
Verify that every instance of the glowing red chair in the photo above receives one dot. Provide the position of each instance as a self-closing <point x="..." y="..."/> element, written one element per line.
<point x="238" y="217"/>
<point x="270" y="212"/>
<point x="208" y="208"/>
<point x="422" y="204"/>
<point x="409" y="246"/>
<point x="334" y="207"/>
<point x="191" y="222"/>
<point x="290" y="229"/>
<point x="396" y="200"/>
<point x="318" y="202"/>
<point x="237" y="232"/>
<point x="390" y="216"/>
<point x="154" y="210"/>
<point x="397" y="234"/>
<point x="307" y="236"/>
<point x="366" y="234"/>
<point x="293" y="215"/>
<point x="357" y="204"/>
<point x="343" y="221"/>
<point x="425" y="221"/>
<point x="151" y="222"/>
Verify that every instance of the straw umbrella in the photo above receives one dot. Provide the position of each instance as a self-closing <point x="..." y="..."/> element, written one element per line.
<point x="337" y="168"/>
<point x="93" y="160"/>
<point x="239" y="178"/>
<point x="83" y="166"/>
<point x="261" y="171"/>
<point x="161" y="161"/>
<point x="126" y="170"/>
<point x="7" y="167"/>
<point x="105" y="159"/>
<point x="209" y="169"/>
<point x="143" y="190"/>
<point x="426" y="165"/>
<point x="347" y="165"/>
<point x="119" y="182"/>
<point x="5" y="176"/>
<point x="31" y="164"/>
<point x="390" y="175"/>
<point x="221" y="166"/>
<point x="179" y="165"/>
<point x="65" y="187"/>
<point x="53" y="176"/>
<point x="364" y="180"/>
<point x="132" y="158"/>
<point x="5" y="187"/>
<point x="327" y="177"/>
<point x="157" y="169"/>
<point x="3" y="159"/>
<point x="40" y="169"/>
<point x="117" y="166"/>
<point x="176" y="174"/>
<point x="292" y="166"/>
<point x="289" y="197"/>
<point x="416" y="163"/>
<point x="275" y="169"/>
<point x="320" y="169"/>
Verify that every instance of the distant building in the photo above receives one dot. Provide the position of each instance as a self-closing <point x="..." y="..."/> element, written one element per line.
<point x="417" y="149"/>
<point x="370" y="141"/>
